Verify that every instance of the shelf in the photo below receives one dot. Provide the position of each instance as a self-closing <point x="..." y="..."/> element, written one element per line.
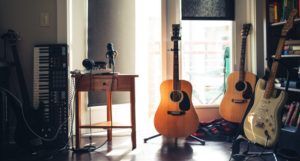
<point x="288" y="56"/>
<point x="289" y="89"/>
<point x="290" y="129"/>
<point x="289" y="60"/>
<point x="283" y="22"/>
<point x="106" y="125"/>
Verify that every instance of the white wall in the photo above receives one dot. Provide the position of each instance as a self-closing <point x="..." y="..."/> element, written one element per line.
<point x="117" y="26"/>
<point x="24" y="17"/>
<point x="252" y="11"/>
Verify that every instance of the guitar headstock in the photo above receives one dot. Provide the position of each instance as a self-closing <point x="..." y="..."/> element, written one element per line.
<point x="289" y="23"/>
<point x="246" y="29"/>
<point x="11" y="36"/>
<point x="176" y="32"/>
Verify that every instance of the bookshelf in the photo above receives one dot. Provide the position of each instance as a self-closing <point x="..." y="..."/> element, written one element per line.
<point x="296" y="21"/>
<point x="289" y="89"/>
<point x="289" y="65"/>
<point x="288" y="56"/>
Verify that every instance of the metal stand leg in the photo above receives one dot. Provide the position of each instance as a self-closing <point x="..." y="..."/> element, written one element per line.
<point x="200" y="140"/>
<point x="151" y="137"/>
<point x="157" y="135"/>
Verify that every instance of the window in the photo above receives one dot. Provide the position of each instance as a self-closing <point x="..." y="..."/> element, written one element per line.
<point x="203" y="58"/>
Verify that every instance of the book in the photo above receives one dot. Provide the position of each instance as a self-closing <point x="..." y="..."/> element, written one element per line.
<point x="290" y="112"/>
<point x="298" y="7"/>
<point x="275" y="11"/>
<point x="298" y="121"/>
<point x="294" y="47"/>
<point x="285" y="111"/>
<point x="272" y="13"/>
<point x="293" y="52"/>
<point x="292" y="42"/>
<point x="293" y="120"/>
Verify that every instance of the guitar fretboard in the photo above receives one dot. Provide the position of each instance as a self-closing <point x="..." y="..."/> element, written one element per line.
<point x="176" y="84"/>
<point x="175" y="38"/>
<point x="271" y="80"/>
<point x="287" y="26"/>
<point x="242" y="59"/>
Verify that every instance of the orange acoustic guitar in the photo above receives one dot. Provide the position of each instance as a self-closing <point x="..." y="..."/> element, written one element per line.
<point x="240" y="87"/>
<point x="176" y="116"/>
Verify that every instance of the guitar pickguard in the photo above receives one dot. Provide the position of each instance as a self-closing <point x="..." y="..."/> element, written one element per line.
<point x="184" y="105"/>
<point x="247" y="94"/>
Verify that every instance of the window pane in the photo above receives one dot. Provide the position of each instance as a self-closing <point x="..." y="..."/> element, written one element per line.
<point x="203" y="53"/>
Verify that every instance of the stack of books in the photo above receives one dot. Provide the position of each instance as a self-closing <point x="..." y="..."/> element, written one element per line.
<point x="279" y="10"/>
<point x="292" y="115"/>
<point x="291" y="47"/>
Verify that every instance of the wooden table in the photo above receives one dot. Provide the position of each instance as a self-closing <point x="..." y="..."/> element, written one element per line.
<point x="107" y="83"/>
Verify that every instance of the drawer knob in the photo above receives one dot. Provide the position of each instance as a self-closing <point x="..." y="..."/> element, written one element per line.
<point x="104" y="83"/>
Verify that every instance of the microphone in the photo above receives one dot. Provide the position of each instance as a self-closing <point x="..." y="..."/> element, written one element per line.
<point x="111" y="54"/>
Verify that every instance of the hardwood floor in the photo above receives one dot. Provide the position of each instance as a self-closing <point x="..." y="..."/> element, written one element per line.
<point x="153" y="150"/>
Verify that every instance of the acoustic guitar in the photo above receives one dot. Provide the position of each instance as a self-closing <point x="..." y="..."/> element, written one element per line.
<point x="240" y="87"/>
<point x="263" y="122"/>
<point x="176" y="116"/>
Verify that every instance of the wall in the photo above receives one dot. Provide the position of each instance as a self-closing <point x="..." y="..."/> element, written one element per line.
<point x="112" y="21"/>
<point x="24" y="17"/>
<point x="250" y="12"/>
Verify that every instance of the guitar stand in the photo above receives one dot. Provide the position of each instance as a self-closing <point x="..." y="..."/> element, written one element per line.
<point x="237" y="156"/>
<point x="202" y="142"/>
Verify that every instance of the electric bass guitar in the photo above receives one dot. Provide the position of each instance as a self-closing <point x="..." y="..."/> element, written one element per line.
<point x="263" y="122"/>
<point x="176" y="116"/>
<point x="240" y="87"/>
<point x="23" y="133"/>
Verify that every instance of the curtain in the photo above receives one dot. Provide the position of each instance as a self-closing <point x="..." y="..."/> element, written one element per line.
<point x="112" y="21"/>
<point x="208" y="9"/>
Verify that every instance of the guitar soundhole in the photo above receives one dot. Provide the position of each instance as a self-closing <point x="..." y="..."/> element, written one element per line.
<point x="176" y="96"/>
<point x="240" y="86"/>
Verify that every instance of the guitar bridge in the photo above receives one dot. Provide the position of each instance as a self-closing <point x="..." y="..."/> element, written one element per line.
<point x="239" y="100"/>
<point x="176" y="113"/>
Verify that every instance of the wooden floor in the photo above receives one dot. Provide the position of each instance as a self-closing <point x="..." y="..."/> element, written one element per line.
<point x="153" y="150"/>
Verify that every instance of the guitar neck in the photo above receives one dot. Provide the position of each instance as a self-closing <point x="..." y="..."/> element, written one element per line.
<point x="176" y="84"/>
<point x="287" y="26"/>
<point x="21" y="78"/>
<point x="242" y="59"/>
<point x="270" y="84"/>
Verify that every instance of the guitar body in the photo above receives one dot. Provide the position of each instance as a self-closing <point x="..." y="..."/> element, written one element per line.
<point x="236" y="100"/>
<point x="173" y="125"/>
<point x="263" y="123"/>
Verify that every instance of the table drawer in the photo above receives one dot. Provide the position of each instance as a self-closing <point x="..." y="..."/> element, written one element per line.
<point x="97" y="84"/>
